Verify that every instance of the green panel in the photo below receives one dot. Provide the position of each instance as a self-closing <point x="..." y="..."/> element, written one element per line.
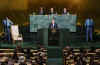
<point x="43" y="21"/>
<point x="65" y="38"/>
<point x="38" y="22"/>
<point x="43" y="36"/>
<point x="66" y="22"/>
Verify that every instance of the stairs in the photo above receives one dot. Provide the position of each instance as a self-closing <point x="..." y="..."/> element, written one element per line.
<point x="55" y="61"/>
<point x="55" y="56"/>
<point x="54" y="53"/>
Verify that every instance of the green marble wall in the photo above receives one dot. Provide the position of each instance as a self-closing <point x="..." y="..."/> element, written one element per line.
<point x="43" y="21"/>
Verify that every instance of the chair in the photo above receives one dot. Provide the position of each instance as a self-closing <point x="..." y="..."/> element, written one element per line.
<point x="15" y="34"/>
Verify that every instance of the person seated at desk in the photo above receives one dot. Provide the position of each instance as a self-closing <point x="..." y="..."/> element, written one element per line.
<point x="10" y="61"/>
<point x="41" y="11"/>
<point x="64" y="11"/>
<point x="52" y="11"/>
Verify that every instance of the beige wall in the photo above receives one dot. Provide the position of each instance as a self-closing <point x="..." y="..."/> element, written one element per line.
<point x="13" y="5"/>
<point x="19" y="10"/>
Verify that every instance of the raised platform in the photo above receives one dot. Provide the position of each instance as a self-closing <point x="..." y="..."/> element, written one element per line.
<point x="23" y="45"/>
<point x="33" y="45"/>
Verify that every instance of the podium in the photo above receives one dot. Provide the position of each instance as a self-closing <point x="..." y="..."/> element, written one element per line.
<point x="53" y="37"/>
<point x="60" y="39"/>
<point x="42" y="35"/>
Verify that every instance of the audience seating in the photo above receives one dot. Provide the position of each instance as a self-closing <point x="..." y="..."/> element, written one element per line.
<point x="73" y="56"/>
<point x="37" y="54"/>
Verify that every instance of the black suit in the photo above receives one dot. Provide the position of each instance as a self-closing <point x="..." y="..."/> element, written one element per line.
<point x="53" y="35"/>
<point x="53" y="26"/>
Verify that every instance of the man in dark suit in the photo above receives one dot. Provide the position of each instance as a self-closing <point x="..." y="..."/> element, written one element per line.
<point x="7" y="24"/>
<point x="64" y="11"/>
<point x="89" y="25"/>
<point x="52" y="11"/>
<point x="53" y="30"/>
<point x="53" y="25"/>
<point x="41" y="11"/>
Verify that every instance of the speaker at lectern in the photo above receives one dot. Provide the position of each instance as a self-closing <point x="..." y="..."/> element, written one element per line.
<point x="53" y="34"/>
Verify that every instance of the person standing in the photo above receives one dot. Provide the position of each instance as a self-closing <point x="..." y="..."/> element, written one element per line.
<point x="53" y="28"/>
<point x="53" y="25"/>
<point x="7" y="24"/>
<point x="89" y="25"/>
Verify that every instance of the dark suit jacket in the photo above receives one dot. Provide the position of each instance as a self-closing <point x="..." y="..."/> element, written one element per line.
<point x="51" y="26"/>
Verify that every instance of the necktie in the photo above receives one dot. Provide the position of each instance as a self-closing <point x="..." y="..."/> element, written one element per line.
<point x="53" y="25"/>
